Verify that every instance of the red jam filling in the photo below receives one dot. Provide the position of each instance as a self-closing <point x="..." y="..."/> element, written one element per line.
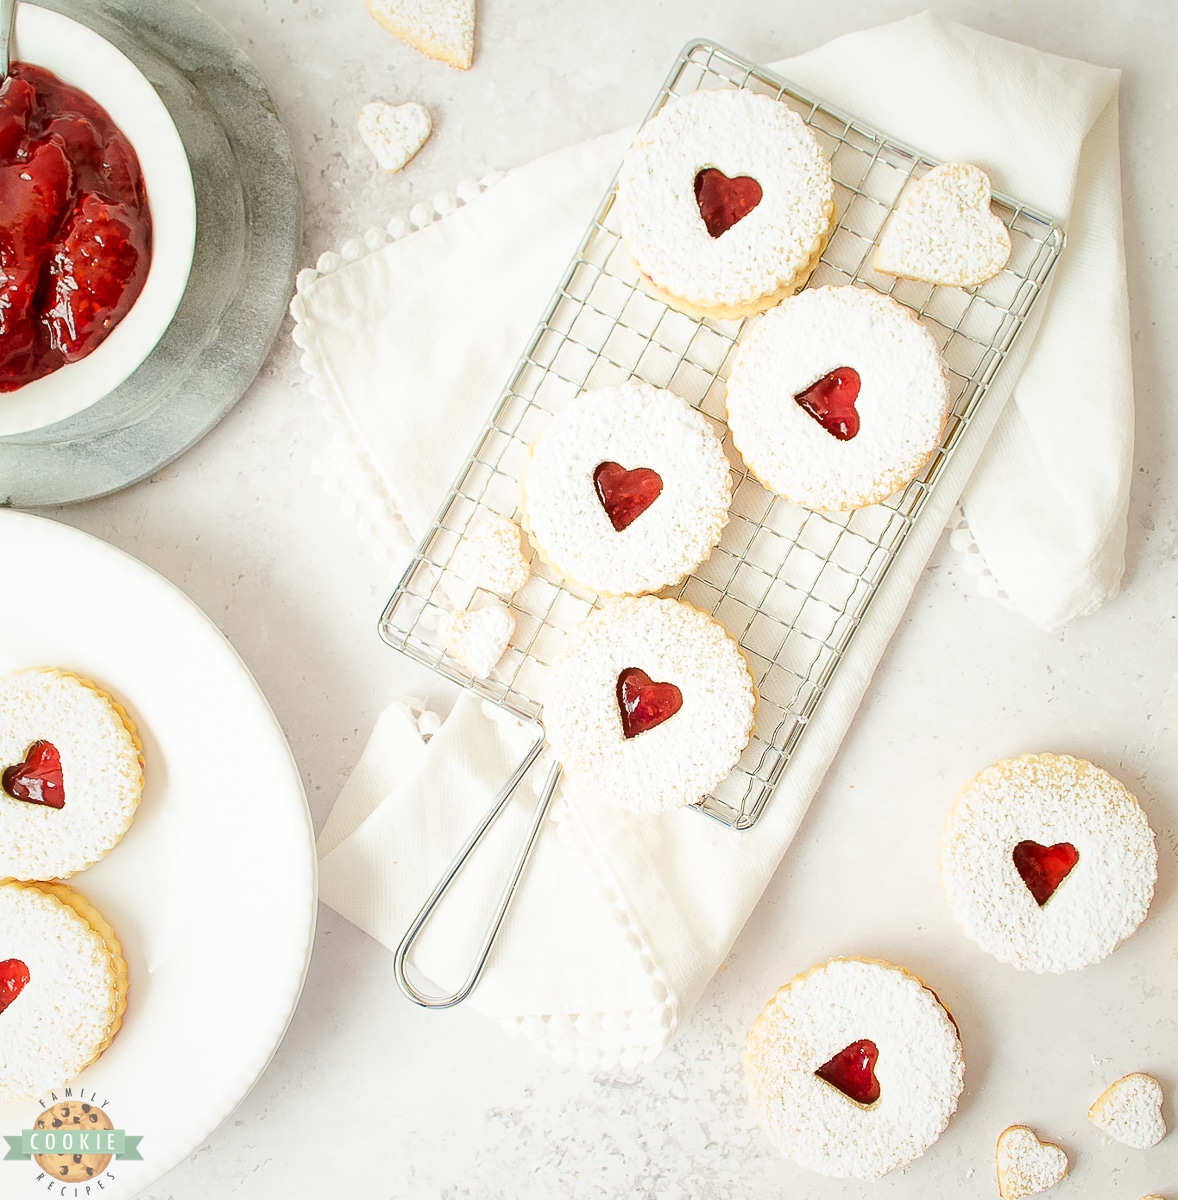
<point x="38" y="779"/>
<point x="852" y="1071"/>
<point x="14" y="975"/>
<point x="625" y="495"/>
<point x="1044" y="868"/>
<point x="831" y="402"/>
<point x="644" y="703"/>
<point x="75" y="229"/>
<point x="723" y="201"/>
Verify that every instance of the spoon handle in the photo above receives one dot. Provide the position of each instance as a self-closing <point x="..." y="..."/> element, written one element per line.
<point x="7" y="24"/>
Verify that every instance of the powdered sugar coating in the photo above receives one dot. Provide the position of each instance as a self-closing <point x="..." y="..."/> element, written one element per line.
<point x="920" y="1068"/>
<point x="902" y="403"/>
<point x="394" y="132"/>
<point x="489" y="555"/>
<point x="634" y="425"/>
<point x="442" y="29"/>
<point x="682" y="759"/>
<point x="63" y="1017"/>
<point x="1025" y="1165"/>
<point x="101" y="771"/>
<point x="1130" y="1111"/>
<point x="1048" y="799"/>
<point x="770" y="250"/>
<point x="943" y="231"/>
<point x="477" y="639"/>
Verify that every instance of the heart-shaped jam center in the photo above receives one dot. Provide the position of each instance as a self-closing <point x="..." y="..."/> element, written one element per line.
<point x="852" y="1071"/>
<point x="37" y="779"/>
<point x="625" y="495"/>
<point x="14" y="975"/>
<point x="831" y="402"/>
<point x="644" y="703"/>
<point x="723" y="201"/>
<point x="1044" y="868"/>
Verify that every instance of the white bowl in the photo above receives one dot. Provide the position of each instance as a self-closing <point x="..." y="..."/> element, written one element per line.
<point x="77" y="55"/>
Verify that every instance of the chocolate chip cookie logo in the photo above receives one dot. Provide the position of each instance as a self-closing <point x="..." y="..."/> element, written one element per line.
<point x="73" y="1141"/>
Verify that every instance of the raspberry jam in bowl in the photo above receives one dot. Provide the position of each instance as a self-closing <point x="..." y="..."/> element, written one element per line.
<point x="97" y="221"/>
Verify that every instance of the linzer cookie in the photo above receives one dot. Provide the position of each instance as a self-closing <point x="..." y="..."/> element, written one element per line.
<point x="627" y="490"/>
<point x="649" y="704"/>
<point x="63" y="987"/>
<point x="1048" y="862"/>
<point x="725" y="202"/>
<point x="943" y="230"/>
<point x="837" y="398"/>
<point x="854" y="1068"/>
<point x="71" y="774"/>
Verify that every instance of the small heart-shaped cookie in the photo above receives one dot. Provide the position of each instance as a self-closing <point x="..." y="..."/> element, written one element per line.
<point x="943" y="230"/>
<point x="394" y="132"/>
<point x="1026" y="1165"/>
<point x="1130" y="1111"/>
<point x="478" y="639"/>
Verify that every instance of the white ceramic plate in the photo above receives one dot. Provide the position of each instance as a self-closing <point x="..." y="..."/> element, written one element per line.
<point x="79" y="56"/>
<point x="213" y="889"/>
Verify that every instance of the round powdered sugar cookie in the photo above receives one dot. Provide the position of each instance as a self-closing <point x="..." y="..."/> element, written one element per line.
<point x="854" y="1068"/>
<point x="627" y="491"/>
<point x="837" y="398"/>
<point x="71" y="774"/>
<point x="1048" y="862"/>
<point x="63" y="987"/>
<point x="725" y="202"/>
<point x="649" y="703"/>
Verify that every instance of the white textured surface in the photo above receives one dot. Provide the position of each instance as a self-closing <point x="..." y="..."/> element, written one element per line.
<point x="740" y="134"/>
<point x="943" y="230"/>
<point x="469" y="1115"/>
<point x="920" y="1069"/>
<point x="101" y="776"/>
<point x="677" y="761"/>
<point x="1048" y="799"/>
<point x="902" y="401"/>
<point x="394" y="132"/>
<point x="1027" y="1166"/>
<point x="634" y="425"/>
<point x="63" y="1014"/>
<point x="1130" y="1110"/>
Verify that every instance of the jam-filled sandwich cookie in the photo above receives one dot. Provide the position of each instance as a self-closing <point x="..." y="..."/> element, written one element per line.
<point x="837" y="398"/>
<point x="1048" y="862"/>
<point x="943" y="230"/>
<point x="627" y="490"/>
<point x="854" y="1068"/>
<point x="649" y="703"/>
<point x="725" y="202"/>
<point x="63" y="987"/>
<point x="71" y="773"/>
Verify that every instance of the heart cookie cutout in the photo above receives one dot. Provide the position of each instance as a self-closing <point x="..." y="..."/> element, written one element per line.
<point x="943" y="230"/>
<point x="1027" y="1166"/>
<point x="643" y="704"/>
<point x="626" y="495"/>
<point x="723" y="201"/>
<point x="1044" y="868"/>
<point x="852" y="1071"/>
<point x="38" y="779"/>
<point x="831" y="402"/>
<point x="1130" y="1111"/>
<point x="394" y="132"/>
<point x="14" y="976"/>
<point x="478" y="639"/>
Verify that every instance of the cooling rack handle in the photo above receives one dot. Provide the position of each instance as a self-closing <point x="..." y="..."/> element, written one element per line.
<point x="401" y="954"/>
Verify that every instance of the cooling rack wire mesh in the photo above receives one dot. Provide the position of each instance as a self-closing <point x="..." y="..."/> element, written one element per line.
<point x="789" y="584"/>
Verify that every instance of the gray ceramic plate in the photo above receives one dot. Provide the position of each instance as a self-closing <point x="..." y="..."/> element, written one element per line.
<point x="247" y="238"/>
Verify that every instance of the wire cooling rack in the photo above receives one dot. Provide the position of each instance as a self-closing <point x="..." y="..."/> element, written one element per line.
<point x="789" y="584"/>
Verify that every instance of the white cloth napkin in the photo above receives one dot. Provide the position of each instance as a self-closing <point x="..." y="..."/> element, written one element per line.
<point x="621" y="921"/>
